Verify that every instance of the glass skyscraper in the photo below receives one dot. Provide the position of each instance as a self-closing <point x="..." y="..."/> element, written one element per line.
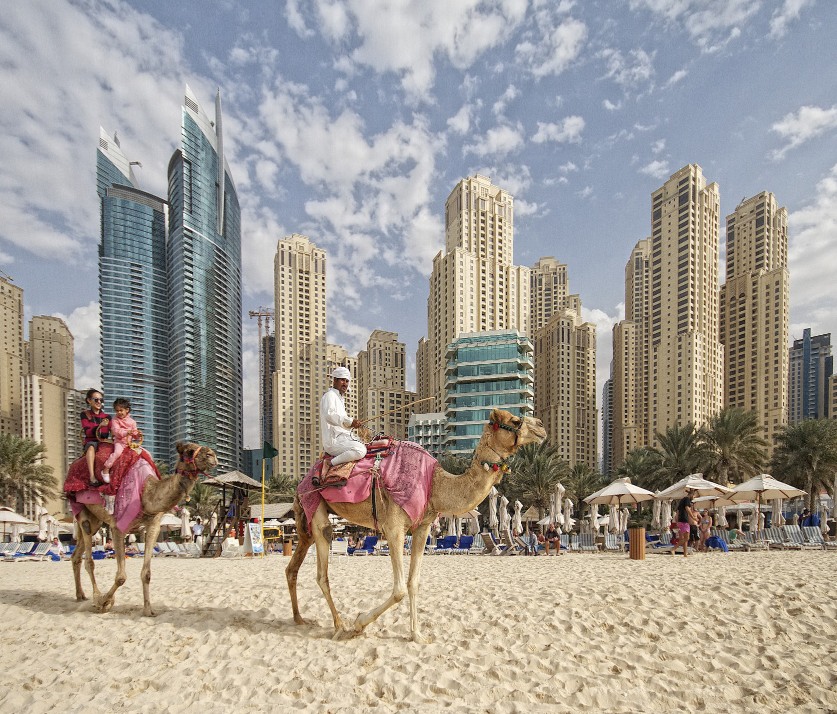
<point x="170" y="293"/>
<point x="204" y="292"/>
<point x="133" y="296"/>
<point x="485" y="371"/>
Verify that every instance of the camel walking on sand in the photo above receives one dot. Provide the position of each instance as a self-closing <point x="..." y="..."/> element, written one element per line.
<point x="451" y="495"/>
<point x="158" y="497"/>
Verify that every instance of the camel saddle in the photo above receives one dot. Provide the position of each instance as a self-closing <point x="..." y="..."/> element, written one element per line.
<point x="338" y="476"/>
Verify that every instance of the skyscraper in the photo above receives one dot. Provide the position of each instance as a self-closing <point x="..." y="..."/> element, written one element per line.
<point x="11" y="357"/>
<point x="204" y="289"/>
<point x="474" y="286"/>
<point x="607" y="427"/>
<point x="133" y="296"/>
<point x="754" y="305"/>
<point x="565" y="364"/>
<point x="811" y="367"/>
<point x="301" y="377"/>
<point x="629" y="370"/>
<point x="686" y="370"/>
<point x="381" y="385"/>
<point x="51" y="349"/>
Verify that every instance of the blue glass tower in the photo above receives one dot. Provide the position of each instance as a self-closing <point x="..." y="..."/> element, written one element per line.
<point x="204" y="289"/>
<point x="133" y="296"/>
<point x="485" y="371"/>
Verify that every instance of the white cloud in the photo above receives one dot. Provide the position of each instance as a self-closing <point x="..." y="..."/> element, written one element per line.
<point x="656" y="169"/>
<point x="567" y="167"/>
<point x="604" y="341"/>
<point x="628" y="72"/>
<point x="508" y="96"/>
<point x="678" y="76"/>
<point x="813" y="235"/>
<point x="586" y="192"/>
<point x="525" y="208"/>
<point x="808" y="123"/>
<point x="658" y="146"/>
<point x="785" y="15"/>
<point x="460" y="122"/>
<point x="554" y="45"/>
<point x="610" y="106"/>
<point x="83" y="323"/>
<point x="499" y="141"/>
<point x="567" y="131"/>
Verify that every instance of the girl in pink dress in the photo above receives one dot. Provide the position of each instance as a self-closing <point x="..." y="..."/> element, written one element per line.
<point x="124" y="431"/>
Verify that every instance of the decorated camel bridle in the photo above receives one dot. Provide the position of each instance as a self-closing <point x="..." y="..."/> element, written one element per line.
<point x="503" y="464"/>
<point x="190" y="473"/>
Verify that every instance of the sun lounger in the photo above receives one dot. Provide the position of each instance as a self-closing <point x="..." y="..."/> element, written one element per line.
<point x="776" y="539"/>
<point x="794" y="534"/>
<point x="368" y="547"/>
<point x="464" y="545"/>
<point x="339" y="546"/>
<point x="491" y="547"/>
<point x="612" y="543"/>
<point x="22" y="550"/>
<point x="813" y="535"/>
<point x="586" y="544"/>
<point x="478" y="544"/>
<point x="507" y="544"/>
<point x="445" y="545"/>
<point x="41" y="552"/>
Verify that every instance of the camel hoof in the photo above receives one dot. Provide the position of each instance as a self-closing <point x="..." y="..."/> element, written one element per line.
<point x="148" y="612"/>
<point x="300" y="621"/>
<point x="345" y="633"/>
<point x="81" y="596"/>
<point x="420" y="639"/>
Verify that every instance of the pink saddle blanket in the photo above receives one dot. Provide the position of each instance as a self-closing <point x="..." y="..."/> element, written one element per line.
<point x="406" y="473"/>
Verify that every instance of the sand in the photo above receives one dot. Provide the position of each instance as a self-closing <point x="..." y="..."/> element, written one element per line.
<point x="737" y="632"/>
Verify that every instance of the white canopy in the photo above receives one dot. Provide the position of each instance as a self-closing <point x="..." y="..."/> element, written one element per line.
<point x="764" y="488"/>
<point x="693" y="482"/>
<point x="619" y="492"/>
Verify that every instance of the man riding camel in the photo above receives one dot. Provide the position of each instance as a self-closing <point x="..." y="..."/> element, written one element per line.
<point x="335" y="424"/>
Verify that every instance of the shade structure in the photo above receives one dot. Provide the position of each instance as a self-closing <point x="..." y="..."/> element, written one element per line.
<point x="619" y="492"/>
<point x="694" y="482"/>
<point x="9" y="517"/>
<point x="764" y="488"/>
<point x="169" y="520"/>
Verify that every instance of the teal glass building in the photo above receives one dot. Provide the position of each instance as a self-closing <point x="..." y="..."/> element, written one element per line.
<point x="204" y="289"/>
<point x="485" y="371"/>
<point x="133" y="296"/>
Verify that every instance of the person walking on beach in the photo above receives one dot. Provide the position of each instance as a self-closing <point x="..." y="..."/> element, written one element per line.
<point x="704" y="527"/>
<point x="335" y="424"/>
<point x="94" y="429"/>
<point x="124" y="431"/>
<point x="686" y="518"/>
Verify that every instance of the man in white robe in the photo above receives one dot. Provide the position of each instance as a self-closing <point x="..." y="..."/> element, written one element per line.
<point x="335" y="424"/>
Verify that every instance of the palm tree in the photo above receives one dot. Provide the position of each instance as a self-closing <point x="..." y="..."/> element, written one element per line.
<point x="454" y="463"/>
<point x="806" y="456"/>
<point x="737" y="452"/>
<point x="682" y="452"/>
<point x="641" y="466"/>
<point x="203" y="500"/>
<point x="581" y="481"/>
<point x="280" y="488"/>
<point x="23" y="476"/>
<point x="536" y="470"/>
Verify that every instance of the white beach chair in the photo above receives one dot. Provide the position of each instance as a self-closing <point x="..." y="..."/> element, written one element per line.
<point x="586" y="544"/>
<point x="794" y="534"/>
<point x="814" y="535"/>
<point x="41" y="552"/>
<point x="611" y="543"/>
<point x="777" y="540"/>
<point x="338" y="547"/>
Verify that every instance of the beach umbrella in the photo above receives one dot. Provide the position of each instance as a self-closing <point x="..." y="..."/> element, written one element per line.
<point x="721" y="518"/>
<point x="656" y="511"/>
<point x="557" y="500"/>
<point x="9" y="518"/>
<point x="623" y="523"/>
<point x="569" y="521"/>
<point x="763" y="488"/>
<point x="594" y="518"/>
<point x="517" y="522"/>
<point x="618" y="493"/>
<point x="170" y="521"/>
<point x="665" y="514"/>
<point x="185" y="530"/>
<point x="613" y="519"/>
<point x="776" y="518"/>
<point x="43" y="523"/>
<point x="493" y="523"/>
<point x="694" y="482"/>
<point x="834" y="499"/>
<point x="505" y="521"/>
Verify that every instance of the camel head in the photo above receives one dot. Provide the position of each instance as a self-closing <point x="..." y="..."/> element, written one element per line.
<point x="194" y="460"/>
<point x="504" y="434"/>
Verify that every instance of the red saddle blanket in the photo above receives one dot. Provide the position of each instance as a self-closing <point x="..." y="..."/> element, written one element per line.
<point x="406" y="474"/>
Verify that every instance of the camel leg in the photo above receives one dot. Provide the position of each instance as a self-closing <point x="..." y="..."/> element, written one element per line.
<point x="87" y="527"/>
<point x="321" y="530"/>
<point x="395" y="538"/>
<point x="151" y="533"/>
<point x="417" y="553"/>
<point x="292" y="569"/>
<point x="78" y="554"/>
<point x="107" y="602"/>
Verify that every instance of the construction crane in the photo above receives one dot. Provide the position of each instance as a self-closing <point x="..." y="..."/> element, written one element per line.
<point x="263" y="316"/>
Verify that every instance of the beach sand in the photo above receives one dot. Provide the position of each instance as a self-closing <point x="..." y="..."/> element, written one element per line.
<point x="737" y="632"/>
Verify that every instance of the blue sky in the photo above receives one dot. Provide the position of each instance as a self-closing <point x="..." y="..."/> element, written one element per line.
<point x="351" y="120"/>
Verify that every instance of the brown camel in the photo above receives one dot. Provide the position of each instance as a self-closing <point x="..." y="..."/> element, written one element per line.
<point x="158" y="497"/>
<point x="450" y="496"/>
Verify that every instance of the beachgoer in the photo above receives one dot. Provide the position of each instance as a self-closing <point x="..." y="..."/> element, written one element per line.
<point x="197" y="532"/>
<point x="553" y="539"/>
<point x="704" y="526"/>
<point x="94" y="430"/>
<point x="335" y="424"/>
<point x="57" y="548"/>
<point x="686" y="518"/>
<point x="124" y="431"/>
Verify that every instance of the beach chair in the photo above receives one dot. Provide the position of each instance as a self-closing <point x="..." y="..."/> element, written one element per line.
<point x="192" y="550"/>
<point x="478" y="545"/>
<point x="464" y="545"/>
<point x="754" y="540"/>
<point x="507" y="544"/>
<point x="490" y="546"/>
<point x="7" y="549"/>
<point x="564" y="539"/>
<point x="230" y="548"/>
<point x="445" y="546"/>
<point x="368" y="547"/>
<point x="338" y="547"/>
<point x="611" y="543"/>
<point x="776" y="539"/>
<point x="586" y="544"/>
<point x="23" y="549"/>
<point x="41" y="552"/>
<point x="813" y="535"/>
<point x="794" y="535"/>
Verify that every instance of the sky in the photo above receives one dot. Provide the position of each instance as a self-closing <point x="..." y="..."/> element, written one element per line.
<point x="350" y="121"/>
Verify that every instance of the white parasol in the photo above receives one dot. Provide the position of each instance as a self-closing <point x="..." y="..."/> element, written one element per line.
<point x="43" y="523"/>
<point x="665" y="514"/>
<point x="505" y="521"/>
<point x="694" y="482"/>
<point x="776" y="518"/>
<point x="9" y="517"/>
<point x="169" y="520"/>
<point x="613" y="519"/>
<point x="517" y="522"/>
<point x="656" y="510"/>
<point x="569" y="521"/>
<point x="763" y="488"/>
<point x="493" y="523"/>
<point x="623" y="521"/>
<point x="721" y="518"/>
<point x="185" y="530"/>
<point x="619" y="492"/>
<point x="213" y="522"/>
<point x="594" y="519"/>
<point x="557" y="499"/>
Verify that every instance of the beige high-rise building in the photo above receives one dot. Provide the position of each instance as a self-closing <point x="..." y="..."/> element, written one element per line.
<point x="565" y="386"/>
<point x="300" y="379"/>
<point x="686" y="355"/>
<point x="754" y="304"/>
<point x="12" y="366"/>
<point x="474" y="286"/>
<point x="337" y="356"/>
<point x="565" y="364"/>
<point x="51" y="349"/>
<point x="381" y="385"/>
<point x="629" y="371"/>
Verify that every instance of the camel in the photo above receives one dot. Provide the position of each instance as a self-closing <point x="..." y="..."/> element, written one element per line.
<point x="451" y="495"/>
<point x="158" y="497"/>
